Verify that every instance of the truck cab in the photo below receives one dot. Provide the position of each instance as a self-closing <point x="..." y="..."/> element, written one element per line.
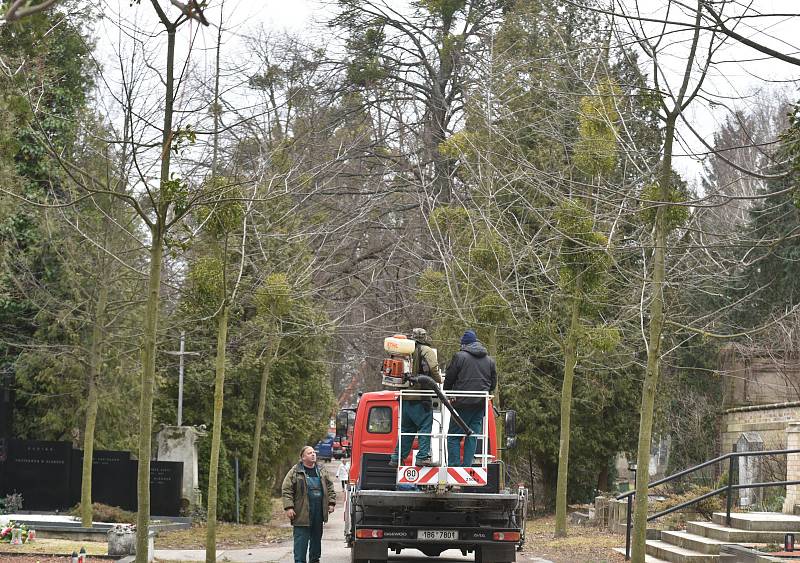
<point x="432" y="509"/>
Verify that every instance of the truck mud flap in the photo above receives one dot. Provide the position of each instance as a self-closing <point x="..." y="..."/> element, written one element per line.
<point x="499" y="553"/>
<point x="370" y="550"/>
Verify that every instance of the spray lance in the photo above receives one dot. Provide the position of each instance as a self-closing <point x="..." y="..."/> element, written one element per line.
<point x="399" y="372"/>
<point x="428" y="383"/>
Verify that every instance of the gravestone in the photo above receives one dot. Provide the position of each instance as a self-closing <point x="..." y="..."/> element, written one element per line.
<point x="49" y="474"/>
<point x="3" y="457"/>
<point x="109" y="470"/>
<point x="6" y="417"/>
<point x="749" y="467"/>
<point x="41" y="472"/>
<point x="179" y="443"/>
<point x="6" y="405"/>
<point x="166" y="481"/>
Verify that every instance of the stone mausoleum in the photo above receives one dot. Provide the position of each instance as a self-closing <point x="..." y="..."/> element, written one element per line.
<point x="761" y="405"/>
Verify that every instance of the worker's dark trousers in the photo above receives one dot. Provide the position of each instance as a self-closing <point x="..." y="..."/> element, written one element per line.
<point x="417" y="417"/>
<point x="473" y="417"/>
<point x="308" y="539"/>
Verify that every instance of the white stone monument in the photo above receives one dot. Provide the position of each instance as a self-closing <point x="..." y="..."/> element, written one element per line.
<point x="179" y="443"/>
<point x="749" y="467"/>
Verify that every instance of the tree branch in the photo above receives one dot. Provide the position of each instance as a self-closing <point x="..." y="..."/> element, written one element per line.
<point x="18" y="10"/>
<point x="744" y="40"/>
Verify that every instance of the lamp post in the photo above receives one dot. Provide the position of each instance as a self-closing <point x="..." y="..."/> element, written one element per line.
<point x="181" y="353"/>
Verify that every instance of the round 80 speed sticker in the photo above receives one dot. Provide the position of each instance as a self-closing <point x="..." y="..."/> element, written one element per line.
<point x="411" y="474"/>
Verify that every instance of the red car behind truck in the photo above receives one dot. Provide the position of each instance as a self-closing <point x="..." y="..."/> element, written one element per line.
<point x="431" y="509"/>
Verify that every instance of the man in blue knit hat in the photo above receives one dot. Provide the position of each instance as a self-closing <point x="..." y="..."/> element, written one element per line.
<point x="471" y="369"/>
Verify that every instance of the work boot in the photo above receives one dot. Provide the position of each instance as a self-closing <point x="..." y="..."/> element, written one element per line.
<point x="425" y="462"/>
<point x="392" y="463"/>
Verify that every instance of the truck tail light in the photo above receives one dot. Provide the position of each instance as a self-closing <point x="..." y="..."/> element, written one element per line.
<point x="505" y="536"/>
<point x="366" y="533"/>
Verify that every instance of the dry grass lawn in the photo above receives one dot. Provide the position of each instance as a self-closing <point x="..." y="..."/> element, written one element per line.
<point x="53" y="546"/>
<point x="32" y="559"/>
<point x="229" y="536"/>
<point x="583" y="544"/>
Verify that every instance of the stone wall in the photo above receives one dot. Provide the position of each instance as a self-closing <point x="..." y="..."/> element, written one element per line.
<point x="792" y="499"/>
<point x="769" y="421"/>
<point x="756" y="376"/>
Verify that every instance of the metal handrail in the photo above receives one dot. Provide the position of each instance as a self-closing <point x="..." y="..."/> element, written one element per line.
<point x="706" y="464"/>
<point x="729" y="488"/>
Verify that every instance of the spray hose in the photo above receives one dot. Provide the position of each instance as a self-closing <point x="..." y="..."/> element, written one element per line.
<point x="428" y="383"/>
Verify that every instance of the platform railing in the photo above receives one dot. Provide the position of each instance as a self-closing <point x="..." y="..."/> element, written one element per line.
<point x="443" y="434"/>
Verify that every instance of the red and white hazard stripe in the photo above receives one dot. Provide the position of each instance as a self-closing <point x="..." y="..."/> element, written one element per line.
<point x="466" y="476"/>
<point x="413" y="475"/>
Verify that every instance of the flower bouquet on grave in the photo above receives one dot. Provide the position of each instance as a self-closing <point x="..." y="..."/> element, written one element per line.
<point x="14" y="534"/>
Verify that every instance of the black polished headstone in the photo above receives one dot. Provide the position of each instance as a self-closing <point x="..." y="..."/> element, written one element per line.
<point x="49" y="474"/>
<point x="166" y="485"/>
<point x="41" y="472"/>
<point x="112" y="482"/>
<point x="6" y="406"/>
<point x="3" y="457"/>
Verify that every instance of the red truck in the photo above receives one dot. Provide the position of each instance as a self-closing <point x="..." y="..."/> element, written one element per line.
<point x="342" y="444"/>
<point x="432" y="509"/>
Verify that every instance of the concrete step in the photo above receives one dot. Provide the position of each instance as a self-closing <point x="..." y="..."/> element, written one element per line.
<point x="677" y="554"/>
<point x="695" y="542"/>
<point x="647" y="558"/>
<point x="733" y="535"/>
<point x="761" y="521"/>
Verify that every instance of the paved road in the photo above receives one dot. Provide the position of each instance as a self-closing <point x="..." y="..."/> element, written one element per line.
<point x="334" y="549"/>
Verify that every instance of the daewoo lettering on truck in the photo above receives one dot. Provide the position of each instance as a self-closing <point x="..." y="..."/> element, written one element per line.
<point x="432" y="509"/>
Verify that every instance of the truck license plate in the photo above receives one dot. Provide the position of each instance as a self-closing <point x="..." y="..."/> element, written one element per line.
<point x="435" y="535"/>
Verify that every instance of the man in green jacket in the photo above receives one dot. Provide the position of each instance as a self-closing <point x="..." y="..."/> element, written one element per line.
<point x="305" y="490"/>
<point x="417" y="411"/>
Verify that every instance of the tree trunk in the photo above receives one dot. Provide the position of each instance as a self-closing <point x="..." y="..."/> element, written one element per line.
<point x="146" y="398"/>
<point x="157" y="232"/>
<point x="639" y="537"/>
<point x="216" y="437"/>
<point x="602" y="479"/>
<point x="532" y="477"/>
<point x="549" y="483"/>
<point x="570" y="359"/>
<point x="262" y="405"/>
<point x="95" y="362"/>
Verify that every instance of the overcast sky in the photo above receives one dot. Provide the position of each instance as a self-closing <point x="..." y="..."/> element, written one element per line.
<point x="733" y="82"/>
<point x="740" y="73"/>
